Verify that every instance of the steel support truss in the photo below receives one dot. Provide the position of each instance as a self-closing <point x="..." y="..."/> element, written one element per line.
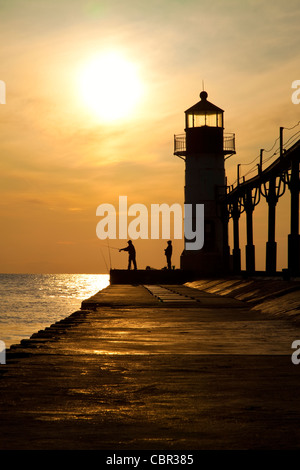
<point x="270" y="184"/>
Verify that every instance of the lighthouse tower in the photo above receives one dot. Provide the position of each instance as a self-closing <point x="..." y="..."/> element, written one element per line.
<point x="204" y="147"/>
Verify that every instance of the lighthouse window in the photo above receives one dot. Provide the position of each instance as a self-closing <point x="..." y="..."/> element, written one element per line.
<point x="199" y="120"/>
<point x="190" y="122"/>
<point x="220" y="120"/>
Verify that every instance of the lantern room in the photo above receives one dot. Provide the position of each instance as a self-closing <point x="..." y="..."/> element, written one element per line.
<point x="204" y="131"/>
<point x="204" y="113"/>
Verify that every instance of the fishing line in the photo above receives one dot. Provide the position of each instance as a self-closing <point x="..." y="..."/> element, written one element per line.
<point x="104" y="261"/>
<point x="111" y="247"/>
<point x="109" y="253"/>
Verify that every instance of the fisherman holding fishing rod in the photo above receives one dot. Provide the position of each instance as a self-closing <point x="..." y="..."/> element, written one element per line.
<point x="131" y="254"/>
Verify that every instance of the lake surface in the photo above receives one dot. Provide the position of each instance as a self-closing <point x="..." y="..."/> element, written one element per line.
<point x="31" y="302"/>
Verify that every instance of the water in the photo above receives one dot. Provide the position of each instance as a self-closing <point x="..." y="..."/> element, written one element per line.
<point x="31" y="302"/>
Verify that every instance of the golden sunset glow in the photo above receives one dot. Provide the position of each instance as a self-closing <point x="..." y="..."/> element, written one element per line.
<point x="96" y="90"/>
<point x="110" y="86"/>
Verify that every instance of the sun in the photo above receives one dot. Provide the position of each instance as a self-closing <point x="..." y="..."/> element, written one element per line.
<point x="111" y="86"/>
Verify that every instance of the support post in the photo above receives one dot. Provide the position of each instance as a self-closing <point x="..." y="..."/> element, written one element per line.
<point x="250" y="249"/>
<point x="293" y="237"/>
<point x="226" y="248"/>
<point x="236" y="252"/>
<point x="238" y="174"/>
<point x="261" y="159"/>
<point x="271" y="247"/>
<point x="281" y="141"/>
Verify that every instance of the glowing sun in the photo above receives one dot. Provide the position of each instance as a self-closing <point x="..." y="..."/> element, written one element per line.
<point x="111" y="86"/>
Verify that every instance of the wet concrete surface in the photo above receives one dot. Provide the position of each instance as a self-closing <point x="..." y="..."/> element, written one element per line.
<point x="154" y="367"/>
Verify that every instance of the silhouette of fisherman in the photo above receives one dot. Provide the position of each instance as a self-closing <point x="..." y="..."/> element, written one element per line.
<point x="168" y="253"/>
<point x="131" y="254"/>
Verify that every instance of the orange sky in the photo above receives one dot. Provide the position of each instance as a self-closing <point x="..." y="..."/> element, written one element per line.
<point x="59" y="160"/>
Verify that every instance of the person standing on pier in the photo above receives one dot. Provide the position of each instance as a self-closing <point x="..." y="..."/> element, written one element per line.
<point x="131" y="254"/>
<point x="168" y="253"/>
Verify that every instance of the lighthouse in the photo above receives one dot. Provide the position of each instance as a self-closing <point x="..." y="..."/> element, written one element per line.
<point x="204" y="148"/>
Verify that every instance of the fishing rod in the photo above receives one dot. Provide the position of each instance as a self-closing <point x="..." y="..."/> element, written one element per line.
<point x="110" y="247"/>
<point x="109" y="255"/>
<point x="104" y="260"/>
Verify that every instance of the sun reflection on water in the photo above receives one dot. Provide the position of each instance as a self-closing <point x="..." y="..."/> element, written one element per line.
<point x="30" y="302"/>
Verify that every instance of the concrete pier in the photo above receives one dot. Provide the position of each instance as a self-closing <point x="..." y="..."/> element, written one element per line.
<point x="143" y="367"/>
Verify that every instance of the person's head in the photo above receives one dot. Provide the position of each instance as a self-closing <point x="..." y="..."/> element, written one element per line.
<point x="129" y="242"/>
<point x="170" y="242"/>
